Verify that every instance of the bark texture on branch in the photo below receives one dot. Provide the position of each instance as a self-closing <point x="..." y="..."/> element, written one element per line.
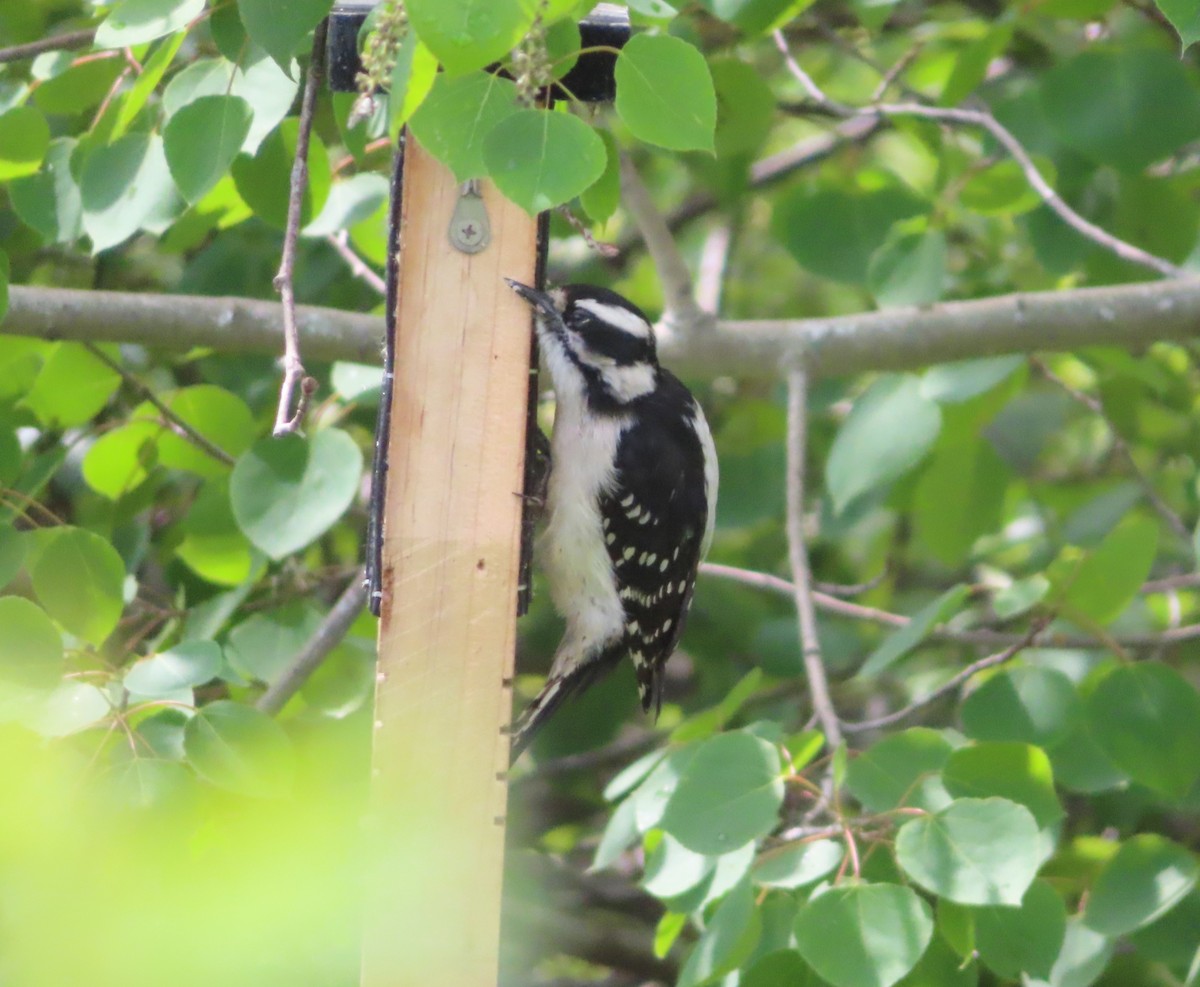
<point x="1130" y="316"/>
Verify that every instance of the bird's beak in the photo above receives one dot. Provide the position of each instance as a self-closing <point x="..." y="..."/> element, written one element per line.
<point x="538" y="299"/>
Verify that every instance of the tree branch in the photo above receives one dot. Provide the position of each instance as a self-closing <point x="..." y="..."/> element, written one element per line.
<point x="1003" y="136"/>
<point x="287" y="420"/>
<point x="59" y="42"/>
<point x="987" y="637"/>
<point x="810" y="644"/>
<point x="325" y="638"/>
<point x="1130" y="316"/>
<point x="952" y="685"/>
<point x="340" y="242"/>
<point x="170" y="419"/>
<point x="679" y="302"/>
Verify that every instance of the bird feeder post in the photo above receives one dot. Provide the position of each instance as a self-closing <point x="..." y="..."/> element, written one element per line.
<point x="448" y="566"/>
<point x="450" y="561"/>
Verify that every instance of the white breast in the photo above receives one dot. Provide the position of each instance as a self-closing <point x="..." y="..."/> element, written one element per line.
<point x="572" y="549"/>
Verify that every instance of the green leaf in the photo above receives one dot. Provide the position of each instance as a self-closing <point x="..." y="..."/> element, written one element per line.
<point x="49" y="201"/>
<point x="1105" y="581"/>
<point x="132" y="102"/>
<point x="899" y="643"/>
<point x="835" y="232"/>
<point x="908" y="269"/>
<point x="601" y="198"/>
<point x="798" y="865"/>
<point x="953" y="383"/>
<point x="745" y="108"/>
<point x="941" y="967"/>
<point x="80" y="579"/>
<point x="256" y="79"/>
<point x="278" y="26"/>
<point x="4" y="276"/>
<point x="728" y="938"/>
<point x="288" y="492"/>
<point x="755" y="16"/>
<point x="901" y="770"/>
<point x="1003" y="190"/>
<point x="24" y="140"/>
<point x="351" y="201"/>
<point x="974" y="851"/>
<point x="13" y="544"/>
<point x="728" y="794"/>
<point x="149" y="782"/>
<point x="71" y="707"/>
<point x="458" y="114"/>
<point x="237" y="748"/>
<point x="202" y="139"/>
<point x="263" y="179"/>
<point x="75" y="88"/>
<point x="218" y="415"/>
<point x="1032" y="705"/>
<point x="959" y="497"/>
<point x="119" y="461"/>
<point x="412" y="79"/>
<point x="134" y="22"/>
<point x="31" y="647"/>
<point x="1184" y="16"/>
<point x="263" y="645"/>
<point x="469" y="34"/>
<point x="212" y="545"/>
<point x="781" y="968"/>
<point x="665" y="94"/>
<point x="1146" y="717"/>
<point x="187" y="664"/>
<point x="1083" y="957"/>
<point x="619" y="833"/>
<point x="1023" y="940"/>
<point x="1018" y="772"/>
<point x="889" y="431"/>
<point x="1147" y="877"/>
<point x="71" y="388"/>
<point x="1152" y="108"/>
<point x="1020" y="596"/>
<point x="864" y="935"/>
<point x="540" y="159"/>
<point x="122" y="187"/>
<point x="672" y="869"/>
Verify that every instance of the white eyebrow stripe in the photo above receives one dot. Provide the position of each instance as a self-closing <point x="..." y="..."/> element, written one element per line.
<point x="617" y="316"/>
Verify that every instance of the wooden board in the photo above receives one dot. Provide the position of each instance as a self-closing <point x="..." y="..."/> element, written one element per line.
<point x="450" y="561"/>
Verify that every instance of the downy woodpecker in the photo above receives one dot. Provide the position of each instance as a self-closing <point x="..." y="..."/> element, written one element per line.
<point x="631" y="498"/>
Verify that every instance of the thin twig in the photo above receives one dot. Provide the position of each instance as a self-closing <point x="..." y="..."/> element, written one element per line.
<point x="171" y="419"/>
<point x="985" y="637"/>
<point x="810" y="645"/>
<point x="771" y="169"/>
<point x="325" y="638"/>
<point x="985" y="120"/>
<point x="59" y="42"/>
<point x="287" y="420"/>
<point x="844" y="590"/>
<point x="678" y="299"/>
<point x="1120" y="446"/>
<point x="1167" y="584"/>
<point x="1045" y="191"/>
<point x="999" y="658"/>
<point x="340" y="241"/>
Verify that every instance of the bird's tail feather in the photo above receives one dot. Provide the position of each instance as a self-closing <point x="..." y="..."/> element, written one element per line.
<point x="555" y="692"/>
